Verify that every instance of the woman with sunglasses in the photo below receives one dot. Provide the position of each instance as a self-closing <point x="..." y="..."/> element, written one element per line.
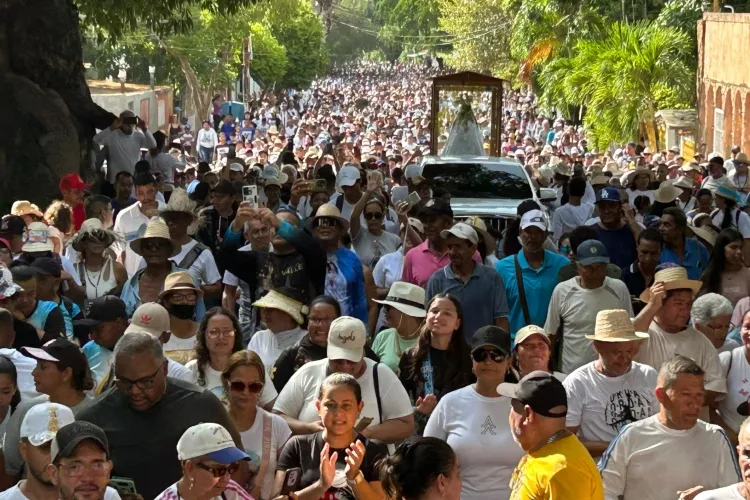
<point x="372" y="241"/>
<point x="337" y="462"/>
<point x="475" y="418"/>
<point x="209" y="458"/>
<point x="263" y="434"/>
<point x="440" y="362"/>
<point x="531" y="352"/>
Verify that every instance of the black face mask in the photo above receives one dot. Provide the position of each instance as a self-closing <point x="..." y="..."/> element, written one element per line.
<point x="182" y="311"/>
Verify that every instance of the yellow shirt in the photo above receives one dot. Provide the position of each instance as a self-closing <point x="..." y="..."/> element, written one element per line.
<point x="562" y="470"/>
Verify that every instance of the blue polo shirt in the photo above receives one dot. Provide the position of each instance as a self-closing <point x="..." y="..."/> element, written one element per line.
<point x="695" y="261"/>
<point x="538" y="285"/>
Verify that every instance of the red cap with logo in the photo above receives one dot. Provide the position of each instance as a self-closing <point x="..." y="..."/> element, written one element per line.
<point x="72" y="181"/>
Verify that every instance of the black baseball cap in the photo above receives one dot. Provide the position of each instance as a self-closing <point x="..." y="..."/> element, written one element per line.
<point x="47" y="266"/>
<point x="103" y="309"/>
<point x="13" y="225"/>
<point x="436" y="207"/>
<point x="541" y="391"/>
<point x="71" y="435"/>
<point x="492" y="336"/>
<point x="224" y="187"/>
<point x="61" y="351"/>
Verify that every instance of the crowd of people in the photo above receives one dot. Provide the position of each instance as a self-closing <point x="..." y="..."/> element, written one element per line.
<point x="284" y="307"/>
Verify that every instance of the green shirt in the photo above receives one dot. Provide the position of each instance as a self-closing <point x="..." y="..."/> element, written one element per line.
<point x="389" y="345"/>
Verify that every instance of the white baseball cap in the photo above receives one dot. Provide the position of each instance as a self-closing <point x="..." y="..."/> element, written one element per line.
<point x="534" y="218"/>
<point x="42" y="421"/>
<point x="236" y="167"/>
<point x="348" y="176"/>
<point x="346" y="339"/>
<point x="211" y="440"/>
<point x="463" y="231"/>
<point x="151" y="318"/>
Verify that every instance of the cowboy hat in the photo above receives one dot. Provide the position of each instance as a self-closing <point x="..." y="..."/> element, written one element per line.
<point x="741" y="158"/>
<point x="615" y="325"/>
<point x="180" y="280"/>
<point x="630" y="175"/>
<point x="286" y="300"/>
<point x="327" y="210"/>
<point x="480" y="227"/>
<point x="674" y="278"/>
<point x="24" y="207"/>
<point x="155" y="228"/>
<point x="407" y="298"/>
<point x="667" y="192"/>
<point x="180" y="202"/>
<point x="93" y="229"/>
<point x="599" y="180"/>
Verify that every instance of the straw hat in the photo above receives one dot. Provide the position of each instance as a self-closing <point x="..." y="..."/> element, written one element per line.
<point x="284" y="299"/>
<point x="684" y="183"/>
<point x="327" y="210"/>
<point x="179" y="280"/>
<point x="479" y="226"/>
<point x="24" y="207"/>
<point x="706" y="233"/>
<point x="674" y="278"/>
<point x="667" y="192"/>
<point x="93" y="229"/>
<point x="407" y="298"/>
<point x="615" y="325"/>
<point x="727" y="191"/>
<point x="630" y="175"/>
<point x="155" y="228"/>
<point x="741" y="158"/>
<point x="37" y="238"/>
<point x="180" y="201"/>
<point x="599" y="180"/>
<point x="689" y="167"/>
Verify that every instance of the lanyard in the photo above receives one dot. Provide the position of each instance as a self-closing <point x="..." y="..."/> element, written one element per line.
<point x="429" y="387"/>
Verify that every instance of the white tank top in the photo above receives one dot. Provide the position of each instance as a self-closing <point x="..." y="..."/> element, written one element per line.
<point x="97" y="283"/>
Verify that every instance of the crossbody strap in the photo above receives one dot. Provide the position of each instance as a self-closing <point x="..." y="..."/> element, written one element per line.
<point x="265" y="459"/>
<point x="376" y="383"/>
<point x="522" y="292"/>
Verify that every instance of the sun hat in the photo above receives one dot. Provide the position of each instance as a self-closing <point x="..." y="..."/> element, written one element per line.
<point x="592" y="252"/>
<point x="615" y="325"/>
<point x="480" y="227"/>
<point x="284" y="299"/>
<point x="407" y="298"/>
<point x="69" y="436"/>
<point x="180" y="202"/>
<point x="539" y="390"/>
<point x="93" y="229"/>
<point x="150" y="318"/>
<point x="155" y="228"/>
<point x="674" y="278"/>
<point x="741" y="158"/>
<point x="271" y="172"/>
<point x="346" y="339"/>
<point x="684" y="182"/>
<point x="327" y="210"/>
<point x="492" y="336"/>
<point x="562" y="169"/>
<point x="527" y="331"/>
<point x="727" y="191"/>
<point x="667" y="192"/>
<point x="62" y="352"/>
<point x="42" y="421"/>
<point x="630" y="175"/>
<point x="211" y="440"/>
<point x="599" y="180"/>
<point x="690" y="167"/>
<point x="706" y="233"/>
<point x="533" y="218"/>
<point x="25" y="207"/>
<point x="416" y="224"/>
<point x="462" y="231"/>
<point x="179" y="280"/>
<point x="37" y="238"/>
<point x="7" y="287"/>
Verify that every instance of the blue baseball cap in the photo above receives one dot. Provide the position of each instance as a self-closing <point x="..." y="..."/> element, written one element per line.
<point x="609" y="194"/>
<point x="212" y="440"/>
<point x="592" y="252"/>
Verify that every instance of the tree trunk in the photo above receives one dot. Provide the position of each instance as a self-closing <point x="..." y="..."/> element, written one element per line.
<point x="48" y="119"/>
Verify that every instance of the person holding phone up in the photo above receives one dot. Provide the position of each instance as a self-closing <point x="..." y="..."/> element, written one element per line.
<point x="372" y="241"/>
<point x="124" y="140"/>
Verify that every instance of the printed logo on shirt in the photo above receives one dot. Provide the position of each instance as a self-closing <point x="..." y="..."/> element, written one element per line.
<point x="624" y="407"/>
<point x="489" y="426"/>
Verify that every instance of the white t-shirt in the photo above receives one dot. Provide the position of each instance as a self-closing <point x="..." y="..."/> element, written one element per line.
<point x="731" y="492"/>
<point x="346" y="213"/>
<point x="298" y="397"/>
<point x="213" y="383"/>
<point x="738" y="387"/>
<point x="662" y="346"/>
<point x="180" y="350"/>
<point x="129" y="221"/>
<point x="178" y="371"/>
<point x="649" y="461"/>
<point x="713" y="184"/>
<point x="632" y="195"/>
<point x="203" y="270"/>
<point x="252" y="443"/>
<point x="603" y="405"/>
<point x="741" y="221"/>
<point x="229" y="278"/>
<point x="269" y="345"/>
<point x="14" y="493"/>
<point x="568" y="217"/>
<point x="24" y="366"/>
<point x="472" y="424"/>
<point x="575" y="308"/>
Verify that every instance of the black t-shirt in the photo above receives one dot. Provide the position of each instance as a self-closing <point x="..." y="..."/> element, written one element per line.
<point x="636" y="283"/>
<point x="304" y="452"/>
<point x="143" y="444"/>
<point x="26" y="335"/>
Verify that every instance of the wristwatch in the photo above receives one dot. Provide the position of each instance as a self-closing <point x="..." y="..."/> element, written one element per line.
<point x="359" y="478"/>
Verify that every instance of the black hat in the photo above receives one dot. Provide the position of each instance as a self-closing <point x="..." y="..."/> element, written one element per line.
<point x="47" y="266"/>
<point x="103" y="309"/>
<point x="13" y="225"/>
<point x="61" y="351"/>
<point x="435" y="208"/>
<point x="492" y="336"/>
<point x="69" y="436"/>
<point x="539" y="390"/>
<point x="224" y="187"/>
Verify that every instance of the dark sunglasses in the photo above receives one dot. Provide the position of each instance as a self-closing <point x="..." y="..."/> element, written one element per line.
<point x="373" y="215"/>
<point x="253" y="387"/>
<point x="325" y="222"/>
<point x="481" y="354"/>
<point x="219" y="470"/>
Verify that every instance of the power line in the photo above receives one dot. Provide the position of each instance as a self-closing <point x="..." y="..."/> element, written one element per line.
<point x="455" y="40"/>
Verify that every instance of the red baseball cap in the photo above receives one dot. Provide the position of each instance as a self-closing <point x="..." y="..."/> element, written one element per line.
<point x="72" y="181"/>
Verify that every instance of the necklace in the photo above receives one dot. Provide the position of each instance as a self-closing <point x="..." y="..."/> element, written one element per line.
<point x="554" y="437"/>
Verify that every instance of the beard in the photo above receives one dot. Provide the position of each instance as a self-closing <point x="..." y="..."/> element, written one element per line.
<point x="38" y="477"/>
<point x="67" y="494"/>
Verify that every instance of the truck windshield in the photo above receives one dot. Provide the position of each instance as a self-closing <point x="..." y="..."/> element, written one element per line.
<point x="480" y="180"/>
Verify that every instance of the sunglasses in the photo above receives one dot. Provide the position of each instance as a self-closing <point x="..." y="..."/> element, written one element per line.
<point x="219" y="470"/>
<point x="253" y="387"/>
<point x="480" y="355"/>
<point x="374" y="215"/>
<point x="325" y="222"/>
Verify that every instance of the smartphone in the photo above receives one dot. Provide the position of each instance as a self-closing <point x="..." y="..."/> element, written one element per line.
<point x="320" y="184"/>
<point x="250" y="193"/>
<point x="363" y="423"/>
<point x="412" y="200"/>
<point x="130" y="120"/>
<point x="123" y="485"/>
<point x="291" y="480"/>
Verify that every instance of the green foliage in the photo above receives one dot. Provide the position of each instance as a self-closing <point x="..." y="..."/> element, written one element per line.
<point x="269" y="62"/>
<point x="354" y="31"/>
<point x="408" y="26"/>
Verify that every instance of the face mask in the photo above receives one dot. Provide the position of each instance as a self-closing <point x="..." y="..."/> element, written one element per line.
<point x="564" y="250"/>
<point x="182" y="311"/>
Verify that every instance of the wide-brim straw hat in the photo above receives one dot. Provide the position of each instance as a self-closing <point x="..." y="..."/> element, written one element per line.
<point x="179" y="201"/>
<point x="407" y="298"/>
<point x="327" y="210"/>
<point x="180" y="280"/>
<point x="674" y="278"/>
<point x="727" y="191"/>
<point x="25" y="207"/>
<point x="92" y="228"/>
<point x="630" y="175"/>
<point x="155" y="228"/>
<point x="277" y="300"/>
<point x="667" y="192"/>
<point x="599" y="180"/>
<point x="480" y="227"/>
<point x="615" y="325"/>
<point x="684" y="183"/>
<point x="706" y="233"/>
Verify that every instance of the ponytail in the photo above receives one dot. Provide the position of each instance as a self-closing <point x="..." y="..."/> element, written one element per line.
<point x="409" y="473"/>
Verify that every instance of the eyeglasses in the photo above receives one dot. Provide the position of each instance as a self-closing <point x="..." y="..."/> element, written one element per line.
<point x="325" y="222"/>
<point x="215" y="334"/>
<point x="480" y="355"/>
<point x="260" y="232"/>
<point x="154" y="244"/>
<point x="219" y="470"/>
<point x="320" y="321"/>
<point x="144" y="384"/>
<point x="183" y="298"/>
<point x="239" y="386"/>
<point x="78" y="469"/>
<point x="374" y="215"/>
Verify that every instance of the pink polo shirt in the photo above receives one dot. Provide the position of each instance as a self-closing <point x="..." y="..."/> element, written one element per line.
<point x="420" y="263"/>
